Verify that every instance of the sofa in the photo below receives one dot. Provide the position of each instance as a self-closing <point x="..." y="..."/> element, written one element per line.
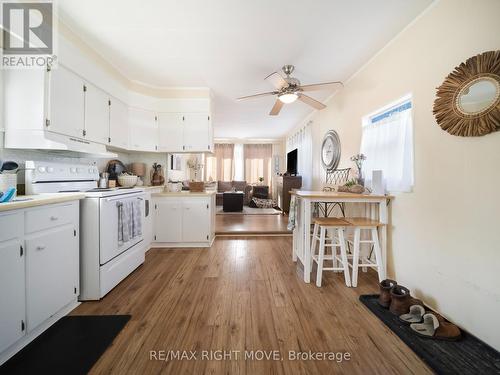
<point x="223" y="186"/>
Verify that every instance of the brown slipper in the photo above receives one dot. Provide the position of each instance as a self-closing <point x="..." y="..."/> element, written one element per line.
<point x="401" y="300"/>
<point x="436" y="327"/>
<point x="415" y="315"/>
<point x="384" y="299"/>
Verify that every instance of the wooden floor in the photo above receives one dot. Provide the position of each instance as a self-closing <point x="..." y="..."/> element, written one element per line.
<point x="251" y="224"/>
<point x="244" y="294"/>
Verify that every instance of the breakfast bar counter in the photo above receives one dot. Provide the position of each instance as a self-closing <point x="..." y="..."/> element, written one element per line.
<point x="376" y="206"/>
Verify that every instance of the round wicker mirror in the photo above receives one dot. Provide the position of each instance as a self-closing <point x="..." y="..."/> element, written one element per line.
<point x="468" y="102"/>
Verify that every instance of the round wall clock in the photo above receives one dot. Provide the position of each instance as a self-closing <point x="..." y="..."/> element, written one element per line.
<point x="330" y="150"/>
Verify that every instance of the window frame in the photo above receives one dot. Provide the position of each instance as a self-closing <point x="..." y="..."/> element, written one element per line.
<point x="367" y="120"/>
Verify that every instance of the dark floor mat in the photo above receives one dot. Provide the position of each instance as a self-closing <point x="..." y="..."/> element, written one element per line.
<point x="71" y="346"/>
<point x="467" y="356"/>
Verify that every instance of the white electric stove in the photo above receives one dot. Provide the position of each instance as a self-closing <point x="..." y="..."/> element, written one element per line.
<point x="105" y="260"/>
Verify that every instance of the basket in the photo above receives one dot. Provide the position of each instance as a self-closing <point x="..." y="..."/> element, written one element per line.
<point x="196" y="187"/>
<point x="8" y="181"/>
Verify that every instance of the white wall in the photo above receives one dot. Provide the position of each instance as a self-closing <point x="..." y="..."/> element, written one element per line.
<point x="445" y="242"/>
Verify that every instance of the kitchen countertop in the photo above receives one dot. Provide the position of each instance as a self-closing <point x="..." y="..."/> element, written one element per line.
<point x="184" y="194"/>
<point x="334" y="194"/>
<point x="27" y="201"/>
<point x="150" y="187"/>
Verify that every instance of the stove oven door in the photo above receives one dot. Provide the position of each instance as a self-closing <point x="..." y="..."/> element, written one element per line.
<point x="110" y="245"/>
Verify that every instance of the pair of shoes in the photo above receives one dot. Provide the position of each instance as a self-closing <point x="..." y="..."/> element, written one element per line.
<point x="396" y="297"/>
<point x="430" y="325"/>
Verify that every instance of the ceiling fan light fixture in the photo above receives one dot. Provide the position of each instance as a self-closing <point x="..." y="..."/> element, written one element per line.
<point x="288" y="97"/>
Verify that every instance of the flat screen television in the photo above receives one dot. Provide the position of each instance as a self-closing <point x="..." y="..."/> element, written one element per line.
<point x="291" y="162"/>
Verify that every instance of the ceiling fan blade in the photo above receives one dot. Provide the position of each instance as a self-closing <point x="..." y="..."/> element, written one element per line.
<point x="257" y="95"/>
<point x="320" y="86"/>
<point x="276" y="80"/>
<point x="310" y="101"/>
<point x="276" y="108"/>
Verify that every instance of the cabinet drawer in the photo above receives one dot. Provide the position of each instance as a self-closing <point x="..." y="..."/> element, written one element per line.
<point x="49" y="217"/>
<point x="11" y="226"/>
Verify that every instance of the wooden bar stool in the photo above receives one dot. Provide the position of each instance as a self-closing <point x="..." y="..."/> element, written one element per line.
<point x="321" y="225"/>
<point x="359" y="224"/>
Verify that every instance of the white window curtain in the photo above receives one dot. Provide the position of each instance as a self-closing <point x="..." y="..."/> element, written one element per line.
<point x="387" y="143"/>
<point x="258" y="163"/>
<point x="220" y="165"/>
<point x="239" y="163"/>
<point x="302" y="141"/>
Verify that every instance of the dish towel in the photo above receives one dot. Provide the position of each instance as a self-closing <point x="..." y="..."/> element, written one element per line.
<point x="123" y="222"/>
<point x="136" y="222"/>
<point x="292" y="213"/>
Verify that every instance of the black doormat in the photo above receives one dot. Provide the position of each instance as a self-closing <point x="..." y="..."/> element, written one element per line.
<point x="467" y="356"/>
<point x="71" y="346"/>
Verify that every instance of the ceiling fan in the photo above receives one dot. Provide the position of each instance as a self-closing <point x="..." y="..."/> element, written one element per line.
<point x="289" y="89"/>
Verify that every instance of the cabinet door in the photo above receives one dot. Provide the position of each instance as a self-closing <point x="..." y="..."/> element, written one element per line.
<point x="52" y="271"/>
<point x="12" y="293"/>
<point x="147" y="228"/>
<point x="168" y="221"/>
<point x="196" y="132"/>
<point x="143" y="130"/>
<point x="195" y="221"/>
<point x="118" y="124"/>
<point x="170" y="126"/>
<point x="66" y="102"/>
<point x="96" y="114"/>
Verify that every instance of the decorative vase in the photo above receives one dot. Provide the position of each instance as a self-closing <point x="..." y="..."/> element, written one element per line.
<point x="361" y="179"/>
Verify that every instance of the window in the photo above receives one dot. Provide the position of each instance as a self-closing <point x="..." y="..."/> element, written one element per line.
<point x="258" y="163"/>
<point x="387" y="142"/>
<point x="220" y="165"/>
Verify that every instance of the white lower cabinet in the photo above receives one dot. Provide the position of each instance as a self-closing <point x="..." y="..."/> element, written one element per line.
<point x="12" y="281"/>
<point x="195" y="221"/>
<point x="168" y="221"/>
<point x="39" y="271"/>
<point x="51" y="266"/>
<point x="184" y="221"/>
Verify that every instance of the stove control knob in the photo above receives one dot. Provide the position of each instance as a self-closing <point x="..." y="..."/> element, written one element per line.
<point x="50" y="170"/>
<point x="41" y="169"/>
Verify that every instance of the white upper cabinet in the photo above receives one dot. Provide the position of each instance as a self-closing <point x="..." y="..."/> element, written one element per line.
<point x="171" y="132"/>
<point x="185" y="132"/>
<point x="96" y="114"/>
<point x="197" y="132"/>
<point x="66" y="104"/>
<point x="118" y="124"/>
<point x="143" y="130"/>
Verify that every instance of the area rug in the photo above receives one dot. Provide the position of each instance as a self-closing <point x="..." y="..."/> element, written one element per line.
<point x="71" y="346"/>
<point x="250" y="211"/>
<point x="467" y="356"/>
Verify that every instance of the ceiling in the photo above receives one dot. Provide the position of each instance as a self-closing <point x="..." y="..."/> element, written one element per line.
<point x="231" y="45"/>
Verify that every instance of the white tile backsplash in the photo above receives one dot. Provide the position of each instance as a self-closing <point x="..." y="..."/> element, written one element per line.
<point x="20" y="156"/>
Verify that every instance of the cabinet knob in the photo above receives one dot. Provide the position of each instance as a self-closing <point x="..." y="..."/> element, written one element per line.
<point x="40" y="247"/>
<point x="54" y="218"/>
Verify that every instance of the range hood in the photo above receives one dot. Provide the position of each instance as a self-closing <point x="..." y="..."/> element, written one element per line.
<point x="45" y="140"/>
